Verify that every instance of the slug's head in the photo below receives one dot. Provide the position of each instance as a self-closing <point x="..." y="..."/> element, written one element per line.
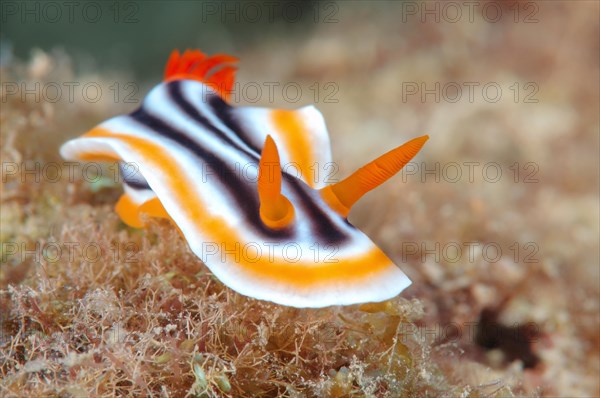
<point x="276" y="210"/>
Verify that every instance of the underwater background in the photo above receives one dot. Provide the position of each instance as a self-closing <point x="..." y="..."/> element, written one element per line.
<point x="496" y="221"/>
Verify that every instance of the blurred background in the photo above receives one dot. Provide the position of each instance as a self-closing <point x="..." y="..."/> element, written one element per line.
<point x="508" y="92"/>
<point x="136" y="35"/>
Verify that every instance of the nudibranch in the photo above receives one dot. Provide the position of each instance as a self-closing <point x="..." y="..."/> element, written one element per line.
<point x="266" y="231"/>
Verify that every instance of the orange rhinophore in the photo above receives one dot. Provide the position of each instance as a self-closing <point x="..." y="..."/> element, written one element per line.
<point x="345" y="193"/>
<point x="238" y="184"/>
<point x="276" y="211"/>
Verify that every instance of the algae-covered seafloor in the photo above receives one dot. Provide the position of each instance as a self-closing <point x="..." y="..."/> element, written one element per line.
<point x="496" y="221"/>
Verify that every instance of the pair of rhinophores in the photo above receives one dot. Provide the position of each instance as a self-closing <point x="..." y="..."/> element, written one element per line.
<point x="272" y="234"/>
